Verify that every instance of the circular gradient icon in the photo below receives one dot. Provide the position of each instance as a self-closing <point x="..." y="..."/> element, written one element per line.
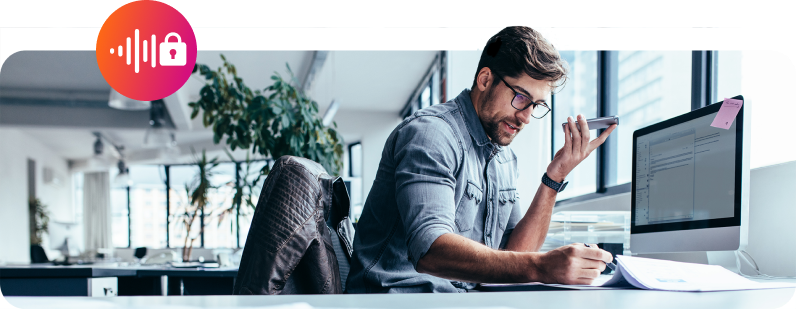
<point x="146" y="50"/>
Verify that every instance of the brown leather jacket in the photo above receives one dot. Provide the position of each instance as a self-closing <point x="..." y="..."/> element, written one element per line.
<point x="302" y="215"/>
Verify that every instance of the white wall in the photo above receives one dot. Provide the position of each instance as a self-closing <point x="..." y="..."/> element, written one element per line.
<point x="372" y="129"/>
<point x="766" y="82"/>
<point x="461" y="71"/>
<point x="17" y="147"/>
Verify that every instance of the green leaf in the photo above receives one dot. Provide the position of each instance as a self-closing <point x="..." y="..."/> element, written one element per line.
<point x="286" y="120"/>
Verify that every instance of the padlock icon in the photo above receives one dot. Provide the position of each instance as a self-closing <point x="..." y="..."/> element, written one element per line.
<point x="172" y="53"/>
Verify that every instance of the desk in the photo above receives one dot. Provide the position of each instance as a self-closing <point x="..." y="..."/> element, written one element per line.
<point x="50" y="280"/>
<point x="192" y="281"/>
<point x="79" y="280"/>
<point x="552" y="299"/>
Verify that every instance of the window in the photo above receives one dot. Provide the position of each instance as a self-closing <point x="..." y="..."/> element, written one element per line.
<point x="246" y="215"/>
<point x="139" y="213"/>
<point x="219" y="229"/>
<point x="146" y="194"/>
<point x="578" y="96"/>
<point x="181" y="176"/>
<point x="429" y="91"/>
<point x="425" y="97"/>
<point x="355" y="159"/>
<point x="652" y="86"/>
<point x="642" y="88"/>
<point x="120" y="217"/>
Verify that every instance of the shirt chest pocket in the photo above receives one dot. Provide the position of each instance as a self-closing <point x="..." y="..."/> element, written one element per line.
<point x="507" y="199"/>
<point x="468" y="206"/>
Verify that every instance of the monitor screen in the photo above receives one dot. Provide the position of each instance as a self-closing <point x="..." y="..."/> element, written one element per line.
<point x="686" y="174"/>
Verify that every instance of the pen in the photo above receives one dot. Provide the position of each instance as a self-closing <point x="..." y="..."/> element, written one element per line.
<point x="609" y="264"/>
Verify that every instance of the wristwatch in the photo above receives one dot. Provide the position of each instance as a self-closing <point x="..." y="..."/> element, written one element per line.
<point x="556" y="186"/>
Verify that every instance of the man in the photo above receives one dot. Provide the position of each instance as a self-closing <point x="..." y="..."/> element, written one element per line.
<point x="443" y="212"/>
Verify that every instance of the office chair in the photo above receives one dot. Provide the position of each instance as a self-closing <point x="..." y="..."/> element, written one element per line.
<point x="37" y="254"/>
<point x="300" y="237"/>
<point x="140" y="252"/>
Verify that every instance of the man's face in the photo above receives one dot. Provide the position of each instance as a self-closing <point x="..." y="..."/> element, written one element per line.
<point x="501" y="121"/>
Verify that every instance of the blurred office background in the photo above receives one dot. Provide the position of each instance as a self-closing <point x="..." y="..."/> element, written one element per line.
<point x="62" y="141"/>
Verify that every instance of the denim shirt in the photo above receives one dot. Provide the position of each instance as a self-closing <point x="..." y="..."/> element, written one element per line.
<point x="439" y="173"/>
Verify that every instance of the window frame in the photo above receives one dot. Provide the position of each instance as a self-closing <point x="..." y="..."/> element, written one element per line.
<point x="167" y="168"/>
<point x="704" y="72"/>
<point x="434" y="79"/>
<point x="351" y="159"/>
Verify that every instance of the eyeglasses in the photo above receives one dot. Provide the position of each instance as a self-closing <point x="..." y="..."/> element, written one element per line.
<point x="521" y="102"/>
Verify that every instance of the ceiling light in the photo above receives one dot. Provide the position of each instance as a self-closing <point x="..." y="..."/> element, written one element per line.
<point x="158" y="135"/>
<point x="159" y="138"/>
<point x="169" y="153"/>
<point x="118" y="101"/>
<point x="330" y="112"/>
<point x="98" y="146"/>
<point x="123" y="178"/>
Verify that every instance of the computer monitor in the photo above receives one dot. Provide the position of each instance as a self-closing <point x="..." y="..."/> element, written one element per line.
<point x="690" y="187"/>
<point x="61" y="233"/>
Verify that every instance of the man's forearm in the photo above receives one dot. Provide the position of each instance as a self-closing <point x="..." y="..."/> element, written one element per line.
<point x="530" y="232"/>
<point x="455" y="257"/>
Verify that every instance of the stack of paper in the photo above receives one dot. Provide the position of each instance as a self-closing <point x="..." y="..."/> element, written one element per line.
<point x="651" y="274"/>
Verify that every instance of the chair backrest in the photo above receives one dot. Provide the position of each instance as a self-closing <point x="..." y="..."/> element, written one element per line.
<point x="342" y="230"/>
<point x="37" y="254"/>
<point x="290" y="245"/>
<point x="140" y="252"/>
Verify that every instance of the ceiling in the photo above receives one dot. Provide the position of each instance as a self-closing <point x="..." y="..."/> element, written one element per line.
<point x="60" y="97"/>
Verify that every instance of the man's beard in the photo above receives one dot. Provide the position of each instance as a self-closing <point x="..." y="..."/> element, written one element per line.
<point x="492" y="125"/>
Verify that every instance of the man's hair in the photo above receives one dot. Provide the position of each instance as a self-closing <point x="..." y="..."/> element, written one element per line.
<point x="517" y="50"/>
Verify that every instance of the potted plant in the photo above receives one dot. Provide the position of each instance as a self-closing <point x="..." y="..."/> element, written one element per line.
<point x="244" y="190"/>
<point x="39" y="220"/>
<point x="197" y="193"/>
<point x="275" y="121"/>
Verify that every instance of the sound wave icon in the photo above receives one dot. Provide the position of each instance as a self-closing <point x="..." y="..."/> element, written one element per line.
<point x="152" y="43"/>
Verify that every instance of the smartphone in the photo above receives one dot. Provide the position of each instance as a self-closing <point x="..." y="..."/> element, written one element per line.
<point x="597" y="123"/>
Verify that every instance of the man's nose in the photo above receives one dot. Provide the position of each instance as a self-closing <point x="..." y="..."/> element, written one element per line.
<point x="525" y="115"/>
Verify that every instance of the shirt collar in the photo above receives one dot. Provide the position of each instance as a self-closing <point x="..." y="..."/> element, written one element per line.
<point x="471" y="118"/>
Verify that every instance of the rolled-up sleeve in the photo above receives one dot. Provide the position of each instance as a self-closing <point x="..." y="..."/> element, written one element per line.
<point x="426" y="153"/>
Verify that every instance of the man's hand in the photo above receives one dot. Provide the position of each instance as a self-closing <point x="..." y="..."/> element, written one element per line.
<point x="577" y="146"/>
<point x="571" y="264"/>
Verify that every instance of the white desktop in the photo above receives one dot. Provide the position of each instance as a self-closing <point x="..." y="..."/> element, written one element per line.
<point x="690" y="188"/>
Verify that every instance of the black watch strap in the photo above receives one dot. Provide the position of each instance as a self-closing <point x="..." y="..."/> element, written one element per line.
<point x="556" y="186"/>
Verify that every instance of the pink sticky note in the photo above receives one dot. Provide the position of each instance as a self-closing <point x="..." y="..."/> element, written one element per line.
<point x="727" y="113"/>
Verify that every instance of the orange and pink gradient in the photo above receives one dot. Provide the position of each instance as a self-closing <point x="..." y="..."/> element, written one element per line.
<point x="129" y="60"/>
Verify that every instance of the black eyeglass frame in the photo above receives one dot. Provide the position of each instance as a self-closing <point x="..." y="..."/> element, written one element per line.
<point x="517" y="93"/>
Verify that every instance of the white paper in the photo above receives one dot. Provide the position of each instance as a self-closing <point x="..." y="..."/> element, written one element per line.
<point x="652" y="274"/>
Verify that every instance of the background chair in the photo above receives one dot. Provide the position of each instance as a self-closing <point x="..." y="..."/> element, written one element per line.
<point x="38" y="255"/>
<point x="300" y="236"/>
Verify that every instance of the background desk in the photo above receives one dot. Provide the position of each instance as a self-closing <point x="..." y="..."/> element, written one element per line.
<point x="50" y="280"/>
<point x="188" y="281"/>
<point x="552" y="299"/>
<point x="78" y="280"/>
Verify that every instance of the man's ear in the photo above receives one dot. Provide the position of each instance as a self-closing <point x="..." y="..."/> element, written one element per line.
<point x="484" y="79"/>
